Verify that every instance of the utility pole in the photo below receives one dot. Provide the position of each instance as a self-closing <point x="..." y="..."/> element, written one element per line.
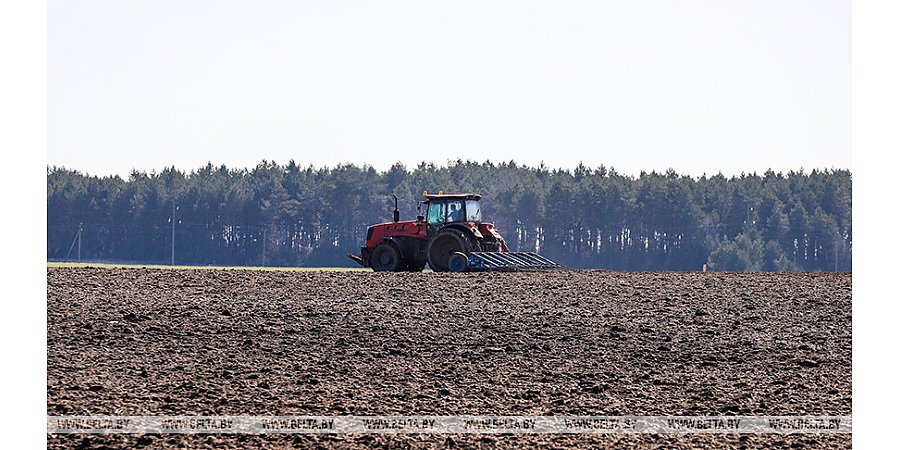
<point x="173" y="232"/>
<point x="747" y="233"/>
<point x="264" y="247"/>
<point x="77" y="240"/>
<point x="835" y="255"/>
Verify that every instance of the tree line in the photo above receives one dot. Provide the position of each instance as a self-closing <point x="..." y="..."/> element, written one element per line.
<point x="291" y="215"/>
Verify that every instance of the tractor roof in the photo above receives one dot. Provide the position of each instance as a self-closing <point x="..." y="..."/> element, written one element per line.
<point x="449" y="196"/>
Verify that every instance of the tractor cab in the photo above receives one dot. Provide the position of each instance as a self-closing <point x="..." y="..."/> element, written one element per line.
<point x="439" y="210"/>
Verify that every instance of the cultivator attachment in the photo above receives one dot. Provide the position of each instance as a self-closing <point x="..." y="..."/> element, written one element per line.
<point x="507" y="261"/>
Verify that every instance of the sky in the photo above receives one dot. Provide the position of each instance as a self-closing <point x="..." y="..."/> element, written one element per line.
<point x="697" y="86"/>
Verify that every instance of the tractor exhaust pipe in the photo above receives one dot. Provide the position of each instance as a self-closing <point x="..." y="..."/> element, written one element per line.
<point x="396" y="210"/>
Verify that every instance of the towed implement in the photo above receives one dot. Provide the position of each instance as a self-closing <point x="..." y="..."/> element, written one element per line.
<point x="447" y="235"/>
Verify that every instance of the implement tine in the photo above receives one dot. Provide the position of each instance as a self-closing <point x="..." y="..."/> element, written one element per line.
<point x="509" y="261"/>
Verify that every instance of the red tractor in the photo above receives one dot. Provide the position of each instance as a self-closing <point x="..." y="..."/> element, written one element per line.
<point x="448" y="234"/>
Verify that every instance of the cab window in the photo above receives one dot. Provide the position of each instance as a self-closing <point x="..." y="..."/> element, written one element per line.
<point x="455" y="212"/>
<point x="436" y="212"/>
<point x="473" y="211"/>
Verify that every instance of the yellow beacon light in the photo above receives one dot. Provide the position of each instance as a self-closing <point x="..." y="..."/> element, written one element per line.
<point x="424" y="193"/>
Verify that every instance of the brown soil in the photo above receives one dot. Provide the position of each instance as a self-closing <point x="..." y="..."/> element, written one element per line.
<point x="204" y="342"/>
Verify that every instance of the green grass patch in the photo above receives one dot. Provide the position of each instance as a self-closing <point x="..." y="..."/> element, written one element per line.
<point x="161" y="266"/>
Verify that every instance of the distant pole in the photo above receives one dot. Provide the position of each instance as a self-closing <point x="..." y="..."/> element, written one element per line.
<point x="264" y="247"/>
<point x="835" y="255"/>
<point x="749" y="258"/>
<point x="173" y="232"/>
<point x="74" y="241"/>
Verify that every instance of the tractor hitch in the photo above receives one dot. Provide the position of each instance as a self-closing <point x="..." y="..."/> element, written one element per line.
<point x="357" y="259"/>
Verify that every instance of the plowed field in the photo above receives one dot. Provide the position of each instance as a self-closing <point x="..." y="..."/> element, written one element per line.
<point x="233" y="342"/>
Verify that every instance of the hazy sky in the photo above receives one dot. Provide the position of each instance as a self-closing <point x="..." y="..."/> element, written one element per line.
<point x="698" y="86"/>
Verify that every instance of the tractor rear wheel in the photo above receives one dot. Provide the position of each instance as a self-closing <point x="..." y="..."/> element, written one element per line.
<point x="386" y="258"/>
<point x="444" y="245"/>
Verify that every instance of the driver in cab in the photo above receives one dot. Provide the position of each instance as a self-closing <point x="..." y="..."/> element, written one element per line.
<point x="456" y="214"/>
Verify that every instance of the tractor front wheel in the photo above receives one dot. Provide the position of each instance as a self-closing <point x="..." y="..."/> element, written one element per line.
<point x="386" y="258"/>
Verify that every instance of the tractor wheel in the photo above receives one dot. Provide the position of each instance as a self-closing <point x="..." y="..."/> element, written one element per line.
<point x="415" y="266"/>
<point x="386" y="258"/>
<point x="443" y="246"/>
<point x="458" y="262"/>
